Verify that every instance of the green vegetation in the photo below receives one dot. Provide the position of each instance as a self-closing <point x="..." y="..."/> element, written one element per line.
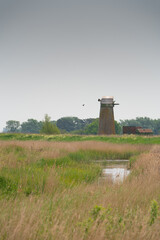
<point x="131" y="139"/>
<point x="48" y="127"/>
<point x="12" y="126"/>
<point x="65" y="124"/>
<point x="75" y="125"/>
<point x="51" y="190"/>
<point x="153" y="212"/>
<point x="70" y="124"/>
<point x="144" y="122"/>
<point x="21" y="176"/>
<point x="74" y="168"/>
<point x="31" y="126"/>
<point x="92" y="128"/>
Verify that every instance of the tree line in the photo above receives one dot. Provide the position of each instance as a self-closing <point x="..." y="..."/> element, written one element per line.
<point x="144" y="122"/>
<point x="75" y="125"/>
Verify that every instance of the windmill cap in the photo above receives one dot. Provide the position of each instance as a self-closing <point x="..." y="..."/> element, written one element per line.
<point x="107" y="100"/>
<point x="108" y="97"/>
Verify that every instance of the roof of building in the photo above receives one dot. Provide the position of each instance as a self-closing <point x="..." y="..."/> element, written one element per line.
<point x="141" y="130"/>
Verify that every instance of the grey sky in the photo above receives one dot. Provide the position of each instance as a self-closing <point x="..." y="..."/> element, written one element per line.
<point x="57" y="55"/>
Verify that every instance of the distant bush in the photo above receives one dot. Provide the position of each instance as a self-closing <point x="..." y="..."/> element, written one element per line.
<point x="48" y="127"/>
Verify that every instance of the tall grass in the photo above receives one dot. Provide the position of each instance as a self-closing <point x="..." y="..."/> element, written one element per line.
<point x="50" y="190"/>
<point x="25" y="166"/>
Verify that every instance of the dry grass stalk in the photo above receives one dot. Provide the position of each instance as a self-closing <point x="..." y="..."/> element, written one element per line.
<point x="61" y="213"/>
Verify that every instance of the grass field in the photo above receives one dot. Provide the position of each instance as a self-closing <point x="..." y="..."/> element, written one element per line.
<point x="130" y="139"/>
<point x="50" y="190"/>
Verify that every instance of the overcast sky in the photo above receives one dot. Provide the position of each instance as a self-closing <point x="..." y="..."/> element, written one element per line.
<point x="56" y="55"/>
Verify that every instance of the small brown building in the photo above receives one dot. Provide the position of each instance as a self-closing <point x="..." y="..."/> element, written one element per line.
<point x="136" y="130"/>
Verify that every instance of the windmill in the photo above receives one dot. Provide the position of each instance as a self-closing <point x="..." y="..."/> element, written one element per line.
<point x="106" y="118"/>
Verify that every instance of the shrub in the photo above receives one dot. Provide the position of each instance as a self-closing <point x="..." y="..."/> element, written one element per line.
<point x="48" y="127"/>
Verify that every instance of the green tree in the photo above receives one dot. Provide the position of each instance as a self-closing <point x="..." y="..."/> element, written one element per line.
<point x="73" y="124"/>
<point x="69" y="123"/>
<point x="93" y="128"/>
<point x="144" y="122"/>
<point x="12" y="126"/>
<point x="31" y="126"/>
<point x="118" y="127"/>
<point x="48" y="127"/>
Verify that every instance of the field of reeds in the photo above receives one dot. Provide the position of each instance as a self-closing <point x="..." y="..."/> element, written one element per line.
<point x="50" y="190"/>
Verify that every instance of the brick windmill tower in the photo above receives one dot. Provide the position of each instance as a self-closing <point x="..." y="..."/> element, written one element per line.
<point x="106" y="118"/>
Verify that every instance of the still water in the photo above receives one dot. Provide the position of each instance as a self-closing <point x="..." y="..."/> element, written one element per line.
<point x="114" y="170"/>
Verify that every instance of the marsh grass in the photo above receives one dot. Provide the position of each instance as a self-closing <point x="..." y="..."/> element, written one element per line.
<point x="25" y="166"/>
<point x="50" y="190"/>
<point x="119" y="139"/>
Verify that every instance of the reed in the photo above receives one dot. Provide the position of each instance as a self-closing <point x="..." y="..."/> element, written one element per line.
<point x="50" y="190"/>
